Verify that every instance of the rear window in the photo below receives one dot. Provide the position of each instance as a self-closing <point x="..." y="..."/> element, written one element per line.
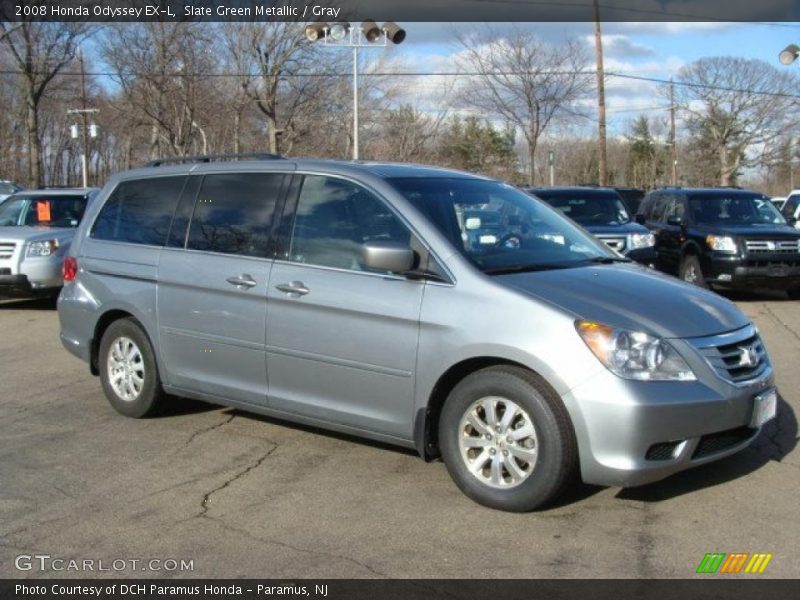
<point x="140" y="211"/>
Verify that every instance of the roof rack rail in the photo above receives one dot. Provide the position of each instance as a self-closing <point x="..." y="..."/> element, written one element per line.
<point x="213" y="158"/>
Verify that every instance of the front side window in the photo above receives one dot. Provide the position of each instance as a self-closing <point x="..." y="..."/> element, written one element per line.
<point x="498" y="228"/>
<point x="734" y="209"/>
<point x="41" y="210"/>
<point x="234" y="213"/>
<point x="334" y="218"/>
<point x="139" y="211"/>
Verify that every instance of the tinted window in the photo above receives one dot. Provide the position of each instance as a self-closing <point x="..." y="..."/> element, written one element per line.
<point x="587" y="207"/>
<point x="675" y="207"/>
<point x="659" y="208"/>
<point x="334" y="218"/>
<point x="234" y="212"/>
<point x="180" y="221"/>
<point x="790" y="206"/>
<point x="140" y="211"/>
<point x="42" y="210"/>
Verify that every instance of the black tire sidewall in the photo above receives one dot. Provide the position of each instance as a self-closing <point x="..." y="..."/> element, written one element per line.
<point x="549" y="472"/>
<point x="148" y="400"/>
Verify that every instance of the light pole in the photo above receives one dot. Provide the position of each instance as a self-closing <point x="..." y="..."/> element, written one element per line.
<point x="344" y="35"/>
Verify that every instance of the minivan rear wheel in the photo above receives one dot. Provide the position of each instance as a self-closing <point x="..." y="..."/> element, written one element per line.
<point x="128" y="370"/>
<point x="506" y="439"/>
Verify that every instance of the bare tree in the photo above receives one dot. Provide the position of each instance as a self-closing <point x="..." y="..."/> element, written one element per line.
<point x="268" y="54"/>
<point x="40" y="51"/>
<point x="739" y="107"/>
<point x="522" y="81"/>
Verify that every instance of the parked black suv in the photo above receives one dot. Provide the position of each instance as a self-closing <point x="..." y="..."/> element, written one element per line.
<point x="723" y="237"/>
<point x="604" y="214"/>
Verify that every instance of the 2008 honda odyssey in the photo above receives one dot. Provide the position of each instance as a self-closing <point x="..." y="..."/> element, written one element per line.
<point x="375" y="299"/>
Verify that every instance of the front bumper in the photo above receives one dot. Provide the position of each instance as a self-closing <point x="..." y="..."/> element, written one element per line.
<point x="773" y="272"/>
<point x="34" y="275"/>
<point x="645" y="256"/>
<point x="15" y="285"/>
<point x="632" y="433"/>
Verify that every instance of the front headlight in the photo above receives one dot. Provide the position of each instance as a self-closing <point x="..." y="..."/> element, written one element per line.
<point x="44" y="248"/>
<point x="642" y="240"/>
<point x="721" y="243"/>
<point x="634" y="354"/>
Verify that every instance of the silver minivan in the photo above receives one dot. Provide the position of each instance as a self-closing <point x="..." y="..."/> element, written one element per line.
<point x="376" y="300"/>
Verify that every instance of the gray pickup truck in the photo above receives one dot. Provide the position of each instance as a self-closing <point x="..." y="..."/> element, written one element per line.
<point x="36" y="230"/>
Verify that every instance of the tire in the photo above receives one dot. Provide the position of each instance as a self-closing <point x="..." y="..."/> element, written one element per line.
<point x="138" y="393"/>
<point x="691" y="272"/>
<point x="515" y="485"/>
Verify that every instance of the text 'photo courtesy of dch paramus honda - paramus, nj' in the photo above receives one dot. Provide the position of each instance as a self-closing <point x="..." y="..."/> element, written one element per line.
<point x="428" y="308"/>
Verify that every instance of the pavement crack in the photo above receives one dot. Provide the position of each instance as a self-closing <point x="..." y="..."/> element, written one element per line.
<point x="204" y="503"/>
<point x="282" y="544"/>
<point x="205" y="430"/>
<point x="781" y="322"/>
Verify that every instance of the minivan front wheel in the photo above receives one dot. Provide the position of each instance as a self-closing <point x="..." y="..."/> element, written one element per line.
<point x="506" y="439"/>
<point x="128" y="370"/>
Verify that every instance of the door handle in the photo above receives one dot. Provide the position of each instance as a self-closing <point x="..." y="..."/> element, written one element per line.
<point x="243" y="280"/>
<point x="295" y="287"/>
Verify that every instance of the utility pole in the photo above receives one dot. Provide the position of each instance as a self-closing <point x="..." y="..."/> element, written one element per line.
<point x="84" y="112"/>
<point x="672" y="139"/>
<point x="601" y="99"/>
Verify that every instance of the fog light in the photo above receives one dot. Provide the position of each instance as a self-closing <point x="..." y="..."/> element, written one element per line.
<point x="725" y="277"/>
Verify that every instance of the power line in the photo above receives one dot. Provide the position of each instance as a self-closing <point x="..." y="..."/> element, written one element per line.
<point x="586" y="73"/>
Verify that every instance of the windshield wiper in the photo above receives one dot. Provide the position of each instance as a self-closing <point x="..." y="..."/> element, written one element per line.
<point x="526" y="268"/>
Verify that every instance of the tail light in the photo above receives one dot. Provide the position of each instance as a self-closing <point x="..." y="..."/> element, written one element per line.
<point x="70" y="268"/>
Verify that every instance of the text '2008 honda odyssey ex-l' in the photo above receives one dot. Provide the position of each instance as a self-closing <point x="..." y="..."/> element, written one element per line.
<point x="354" y="297"/>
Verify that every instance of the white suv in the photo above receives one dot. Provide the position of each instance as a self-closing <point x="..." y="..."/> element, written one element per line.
<point x="36" y="230"/>
<point x="791" y="208"/>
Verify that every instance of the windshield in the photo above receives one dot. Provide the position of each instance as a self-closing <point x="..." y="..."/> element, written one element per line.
<point x="734" y="209"/>
<point x="42" y="211"/>
<point x="497" y="227"/>
<point x="7" y="188"/>
<point x="587" y="207"/>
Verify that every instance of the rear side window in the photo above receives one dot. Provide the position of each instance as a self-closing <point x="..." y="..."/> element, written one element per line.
<point x="234" y="213"/>
<point x="140" y="211"/>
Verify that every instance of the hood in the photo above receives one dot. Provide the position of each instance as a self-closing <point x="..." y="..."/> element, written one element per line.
<point x="32" y="234"/>
<point x="624" y="229"/>
<point x="632" y="297"/>
<point x="753" y="231"/>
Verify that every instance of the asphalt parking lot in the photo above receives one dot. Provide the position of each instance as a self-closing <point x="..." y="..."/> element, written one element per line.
<point x="246" y="496"/>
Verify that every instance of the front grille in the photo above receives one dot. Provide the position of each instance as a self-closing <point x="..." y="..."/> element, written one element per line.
<point x="661" y="451"/>
<point x="7" y="249"/>
<point x="762" y="246"/>
<point x="738" y="356"/>
<point x="614" y="242"/>
<point x="722" y="440"/>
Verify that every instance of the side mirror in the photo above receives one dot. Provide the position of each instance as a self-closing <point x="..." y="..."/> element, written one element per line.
<point x="675" y="221"/>
<point x="640" y="219"/>
<point x="387" y="256"/>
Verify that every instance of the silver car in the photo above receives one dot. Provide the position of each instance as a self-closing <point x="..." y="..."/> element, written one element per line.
<point x="36" y="229"/>
<point x="354" y="297"/>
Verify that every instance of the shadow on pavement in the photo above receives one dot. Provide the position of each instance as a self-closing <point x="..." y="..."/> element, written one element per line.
<point x="777" y="439"/>
<point x="27" y="303"/>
